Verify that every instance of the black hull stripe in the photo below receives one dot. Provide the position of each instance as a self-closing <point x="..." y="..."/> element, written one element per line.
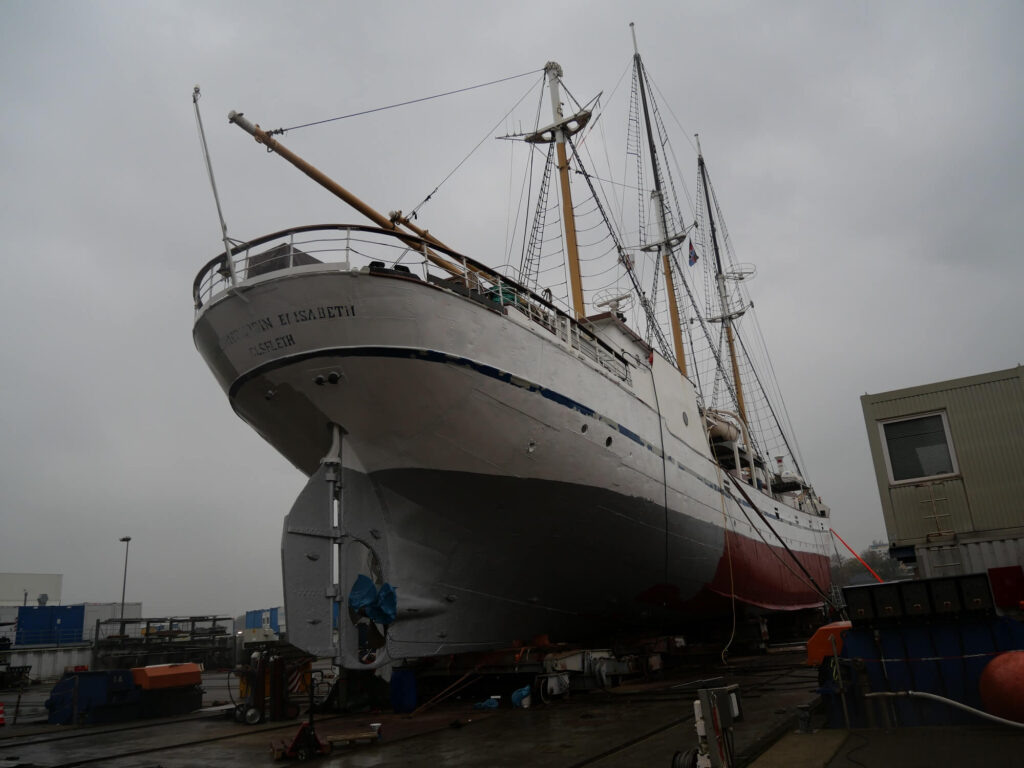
<point x="433" y="356"/>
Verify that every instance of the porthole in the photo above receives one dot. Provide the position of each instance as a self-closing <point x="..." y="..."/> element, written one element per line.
<point x="583" y="429"/>
<point x="608" y="443"/>
<point x="686" y="419"/>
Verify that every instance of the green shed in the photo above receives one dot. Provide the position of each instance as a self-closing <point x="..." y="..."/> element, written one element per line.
<point x="949" y="461"/>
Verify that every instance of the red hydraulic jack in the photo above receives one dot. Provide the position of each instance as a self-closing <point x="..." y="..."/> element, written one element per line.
<point x="305" y="744"/>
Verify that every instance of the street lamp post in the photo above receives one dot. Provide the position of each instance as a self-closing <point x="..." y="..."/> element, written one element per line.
<point x="124" y="581"/>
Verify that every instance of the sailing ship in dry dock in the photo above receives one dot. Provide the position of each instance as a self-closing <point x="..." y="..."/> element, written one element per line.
<point x="487" y="461"/>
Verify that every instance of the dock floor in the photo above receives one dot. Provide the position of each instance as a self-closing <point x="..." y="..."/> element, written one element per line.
<point x="642" y="724"/>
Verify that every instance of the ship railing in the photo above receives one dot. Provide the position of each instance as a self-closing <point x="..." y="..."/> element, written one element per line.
<point x="353" y="246"/>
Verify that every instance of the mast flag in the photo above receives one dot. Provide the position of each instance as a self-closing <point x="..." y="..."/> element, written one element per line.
<point x="693" y="255"/>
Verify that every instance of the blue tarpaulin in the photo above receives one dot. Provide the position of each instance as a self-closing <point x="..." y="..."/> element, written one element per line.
<point x="379" y="606"/>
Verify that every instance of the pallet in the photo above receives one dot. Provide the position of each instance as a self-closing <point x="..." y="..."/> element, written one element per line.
<point x="347" y="738"/>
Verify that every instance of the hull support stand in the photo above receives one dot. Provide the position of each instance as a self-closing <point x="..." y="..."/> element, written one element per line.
<point x="309" y="541"/>
<point x="325" y="550"/>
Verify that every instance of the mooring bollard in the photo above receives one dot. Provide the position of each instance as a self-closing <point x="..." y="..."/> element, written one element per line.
<point x="803" y="714"/>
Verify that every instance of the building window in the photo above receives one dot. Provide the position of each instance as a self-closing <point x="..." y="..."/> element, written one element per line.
<point x="918" y="448"/>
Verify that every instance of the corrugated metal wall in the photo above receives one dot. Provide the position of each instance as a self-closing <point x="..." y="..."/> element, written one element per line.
<point x="986" y="424"/>
<point x="968" y="557"/>
<point x="49" y="663"/>
<point x="935" y="508"/>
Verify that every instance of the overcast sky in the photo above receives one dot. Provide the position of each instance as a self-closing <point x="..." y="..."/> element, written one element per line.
<point x="868" y="155"/>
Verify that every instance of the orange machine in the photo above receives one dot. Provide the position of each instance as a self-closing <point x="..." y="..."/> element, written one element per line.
<point x="167" y="676"/>
<point x="819" y="647"/>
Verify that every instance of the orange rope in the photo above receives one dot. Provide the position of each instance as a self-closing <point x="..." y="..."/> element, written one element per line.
<point x="859" y="558"/>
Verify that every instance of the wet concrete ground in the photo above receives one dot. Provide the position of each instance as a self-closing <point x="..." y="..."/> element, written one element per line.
<point x="923" y="747"/>
<point x="639" y="724"/>
<point x="642" y="724"/>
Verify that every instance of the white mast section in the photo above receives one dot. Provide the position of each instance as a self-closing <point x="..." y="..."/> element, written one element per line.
<point x="213" y="183"/>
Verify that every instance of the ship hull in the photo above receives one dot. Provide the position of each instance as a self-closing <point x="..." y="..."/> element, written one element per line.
<point x="512" y="485"/>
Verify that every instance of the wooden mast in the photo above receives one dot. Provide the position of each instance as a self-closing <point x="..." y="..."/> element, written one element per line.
<point x="727" y="316"/>
<point x="554" y="72"/>
<point x="666" y="242"/>
<point x="334" y="187"/>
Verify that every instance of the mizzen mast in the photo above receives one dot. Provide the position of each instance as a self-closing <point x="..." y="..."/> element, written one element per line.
<point x="666" y="242"/>
<point x="727" y="316"/>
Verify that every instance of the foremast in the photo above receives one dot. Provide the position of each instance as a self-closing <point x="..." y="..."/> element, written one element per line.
<point x="558" y="130"/>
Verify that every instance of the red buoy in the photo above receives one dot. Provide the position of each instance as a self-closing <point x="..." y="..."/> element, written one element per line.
<point x="1002" y="686"/>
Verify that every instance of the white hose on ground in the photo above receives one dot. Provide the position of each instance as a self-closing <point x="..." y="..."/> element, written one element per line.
<point x="951" y="702"/>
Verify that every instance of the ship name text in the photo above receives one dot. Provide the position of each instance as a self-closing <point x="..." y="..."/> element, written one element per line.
<point x="272" y="345"/>
<point x="316" y="313"/>
<point x="262" y="325"/>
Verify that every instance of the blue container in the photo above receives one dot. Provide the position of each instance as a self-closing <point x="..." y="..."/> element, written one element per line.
<point x="264" y="617"/>
<point x="403" y="690"/>
<point x="49" y="624"/>
<point x="94" y="697"/>
<point x="945" y="657"/>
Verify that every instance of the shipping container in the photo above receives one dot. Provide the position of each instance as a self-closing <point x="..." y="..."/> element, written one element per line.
<point x="268" y="619"/>
<point x="947" y="460"/>
<point x="49" y="624"/>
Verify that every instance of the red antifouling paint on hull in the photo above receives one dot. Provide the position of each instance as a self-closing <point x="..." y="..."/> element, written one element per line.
<point x="767" y="577"/>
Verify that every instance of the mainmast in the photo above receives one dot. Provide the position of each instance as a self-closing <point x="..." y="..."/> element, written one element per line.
<point x="727" y="317"/>
<point x="554" y="72"/>
<point x="666" y="242"/>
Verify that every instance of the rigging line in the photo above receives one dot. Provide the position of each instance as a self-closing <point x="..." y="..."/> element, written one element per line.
<point x="511" y="220"/>
<point x="613" y="226"/>
<point x="614" y="183"/>
<point x="715" y="351"/>
<point x="728" y="554"/>
<point x="528" y="184"/>
<point x="668" y="104"/>
<point x="795" y="451"/>
<point x="667" y="150"/>
<point x="423" y="202"/>
<point x="622" y="76"/>
<point x="738" y="486"/>
<point x="623" y="256"/>
<point x="578" y="106"/>
<point x="282" y="131"/>
<point x="525" y="195"/>
<point x="664" y="462"/>
<point x="775" y="554"/>
<point x="771" y="408"/>
<point x="216" y="198"/>
<point x="859" y="558"/>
